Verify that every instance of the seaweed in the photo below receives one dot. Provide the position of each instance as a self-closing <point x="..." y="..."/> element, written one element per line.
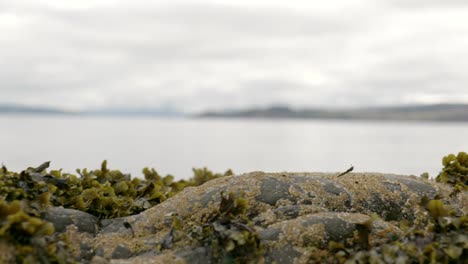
<point x="442" y="238"/>
<point x="455" y="171"/>
<point x="105" y="193"/>
<point x="228" y="232"/>
<point x="33" y="239"/>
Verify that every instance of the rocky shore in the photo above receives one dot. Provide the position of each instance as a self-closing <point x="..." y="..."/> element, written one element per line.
<point x="281" y="218"/>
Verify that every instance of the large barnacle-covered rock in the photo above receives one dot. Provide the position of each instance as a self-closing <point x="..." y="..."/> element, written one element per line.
<point x="285" y="218"/>
<point x="105" y="216"/>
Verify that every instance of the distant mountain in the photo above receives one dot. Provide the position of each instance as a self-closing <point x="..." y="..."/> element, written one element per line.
<point x="437" y="112"/>
<point x="21" y="109"/>
<point x="163" y="111"/>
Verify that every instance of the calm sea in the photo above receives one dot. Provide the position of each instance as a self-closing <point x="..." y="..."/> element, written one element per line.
<point x="174" y="146"/>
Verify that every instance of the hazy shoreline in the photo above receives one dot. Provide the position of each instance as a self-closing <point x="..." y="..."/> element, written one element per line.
<point x="409" y="113"/>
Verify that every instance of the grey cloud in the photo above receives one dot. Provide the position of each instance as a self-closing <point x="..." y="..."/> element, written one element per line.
<point x="427" y="3"/>
<point x="203" y="55"/>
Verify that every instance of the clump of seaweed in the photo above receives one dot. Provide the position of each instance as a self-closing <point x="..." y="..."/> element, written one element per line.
<point x="105" y="193"/>
<point x="443" y="238"/>
<point x="228" y="232"/>
<point x="32" y="238"/>
<point x="455" y="171"/>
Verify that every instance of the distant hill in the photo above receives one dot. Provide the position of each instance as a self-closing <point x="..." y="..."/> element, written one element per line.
<point x="162" y="111"/>
<point x="21" y="109"/>
<point x="437" y="112"/>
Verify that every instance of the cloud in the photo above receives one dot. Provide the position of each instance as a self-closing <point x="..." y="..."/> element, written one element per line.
<point x="203" y="54"/>
<point x="420" y="4"/>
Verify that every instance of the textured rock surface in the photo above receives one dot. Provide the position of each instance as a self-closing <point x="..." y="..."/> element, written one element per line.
<point x="290" y="212"/>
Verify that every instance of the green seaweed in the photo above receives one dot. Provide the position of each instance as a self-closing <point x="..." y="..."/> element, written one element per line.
<point x="105" y="193"/>
<point x="455" y="171"/>
<point x="228" y="232"/>
<point x="443" y="238"/>
<point x="33" y="239"/>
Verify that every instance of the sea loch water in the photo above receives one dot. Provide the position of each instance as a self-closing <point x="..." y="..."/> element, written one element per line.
<point x="174" y="146"/>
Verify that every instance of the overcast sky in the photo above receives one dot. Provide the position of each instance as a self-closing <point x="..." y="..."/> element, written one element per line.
<point x="207" y="54"/>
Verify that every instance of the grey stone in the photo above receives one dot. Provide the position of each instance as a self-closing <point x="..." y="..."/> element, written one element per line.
<point x="86" y="252"/>
<point x="283" y="255"/>
<point x="63" y="217"/>
<point x="199" y="255"/>
<point x="269" y="234"/>
<point x="121" y="252"/>
<point x="214" y="195"/>
<point x="389" y="210"/>
<point x="417" y="186"/>
<point x="336" y="228"/>
<point x="288" y="212"/>
<point x="272" y="190"/>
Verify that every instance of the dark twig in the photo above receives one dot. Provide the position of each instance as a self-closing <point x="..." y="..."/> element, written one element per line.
<point x="347" y="171"/>
<point x="129" y="226"/>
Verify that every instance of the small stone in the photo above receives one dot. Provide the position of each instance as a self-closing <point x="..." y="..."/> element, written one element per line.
<point x="121" y="252"/>
<point x="63" y="217"/>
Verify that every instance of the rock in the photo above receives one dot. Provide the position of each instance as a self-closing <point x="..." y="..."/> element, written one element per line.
<point x="121" y="252"/>
<point x="290" y="213"/>
<point x="199" y="255"/>
<point x="273" y="189"/>
<point x="63" y="217"/>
